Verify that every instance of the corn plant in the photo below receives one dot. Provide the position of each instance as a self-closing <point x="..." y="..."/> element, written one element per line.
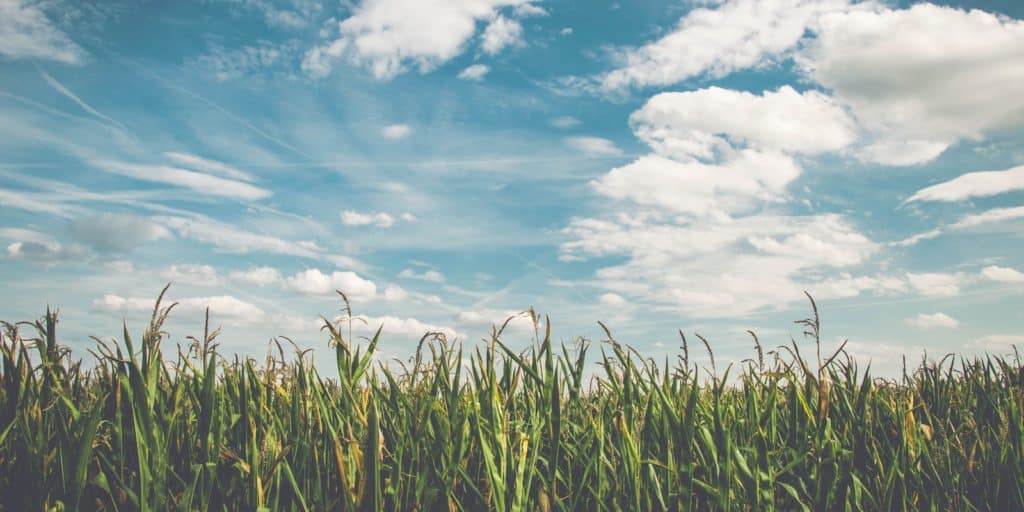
<point x="146" y="426"/>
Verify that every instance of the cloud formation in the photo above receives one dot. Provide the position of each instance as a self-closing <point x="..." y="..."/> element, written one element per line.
<point x="391" y="37"/>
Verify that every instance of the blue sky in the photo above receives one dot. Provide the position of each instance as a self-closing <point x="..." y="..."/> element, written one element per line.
<point x="656" y="165"/>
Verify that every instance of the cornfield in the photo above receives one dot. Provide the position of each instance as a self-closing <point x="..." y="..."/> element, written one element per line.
<point x="492" y="428"/>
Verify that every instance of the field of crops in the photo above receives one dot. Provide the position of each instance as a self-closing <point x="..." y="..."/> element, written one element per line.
<point x="151" y="427"/>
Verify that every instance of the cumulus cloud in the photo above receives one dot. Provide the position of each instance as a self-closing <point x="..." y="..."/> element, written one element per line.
<point x="500" y="33"/>
<point x="432" y="276"/>
<point x="378" y="219"/>
<point x="396" y="131"/>
<point x="395" y="293"/>
<point x="722" y="267"/>
<point x="259" y="276"/>
<point x="315" y="282"/>
<point x="706" y="122"/>
<point x="912" y="76"/>
<point x="699" y="188"/>
<point x="193" y="274"/>
<point x="26" y="32"/>
<point x="116" y="232"/>
<point x="1001" y="343"/>
<point x="1002" y="274"/>
<point x="391" y="36"/>
<point x="43" y="252"/>
<point x="718" y="40"/>
<point x="721" y="150"/>
<point x="933" y="321"/>
<point x="612" y="300"/>
<point x="475" y="72"/>
<point x="221" y="306"/>
<point x="691" y="205"/>
<point x="973" y="184"/>
<point x="397" y="326"/>
<point x="936" y="284"/>
<point x="481" y="320"/>
<point x="594" y="146"/>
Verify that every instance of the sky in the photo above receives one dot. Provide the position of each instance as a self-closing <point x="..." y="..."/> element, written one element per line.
<point x="691" y="165"/>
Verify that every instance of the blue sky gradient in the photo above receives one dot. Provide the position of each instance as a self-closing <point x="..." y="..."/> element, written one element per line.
<point x="654" y="165"/>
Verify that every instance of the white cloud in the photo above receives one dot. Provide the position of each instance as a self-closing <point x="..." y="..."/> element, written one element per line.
<point x="395" y="293"/>
<point x="695" y="205"/>
<point x="968" y="222"/>
<point x="973" y="184"/>
<point x="595" y="146"/>
<point x="722" y="266"/>
<point x="33" y="202"/>
<point x="1001" y="343"/>
<point x="408" y="217"/>
<point x="397" y="326"/>
<point x="38" y="247"/>
<point x="708" y="122"/>
<point x="528" y="11"/>
<point x="250" y="61"/>
<point x="432" y="276"/>
<point x="612" y="300"/>
<point x="1002" y="274"/>
<point x="475" y="72"/>
<point x="500" y="33"/>
<point x="392" y="36"/>
<point x="221" y="306"/>
<point x="565" y="122"/>
<point x="697" y="188"/>
<point x="117" y="303"/>
<point x="913" y="240"/>
<point x="716" y="41"/>
<point x="67" y="93"/>
<point x="199" y="182"/>
<point x="933" y="321"/>
<point x="718" y="150"/>
<point x="291" y="15"/>
<point x="566" y="31"/>
<point x="209" y="166"/>
<point x="936" y="284"/>
<point x="396" y="131"/>
<point x="314" y="282"/>
<point x="199" y="275"/>
<point x="116" y="232"/>
<point x="233" y="239"/>
<point x="40" y="252"/>
<point x="27" y="33"/>
<point x="379" y="219"/>
<point x="481" y="320"/>
<point x="912" y="76"/>
<point x="259" y="276"/>
<point x="989" y="217"/>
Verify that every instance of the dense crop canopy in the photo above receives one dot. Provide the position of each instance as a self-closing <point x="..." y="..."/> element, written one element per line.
<point x="498" y="429"/>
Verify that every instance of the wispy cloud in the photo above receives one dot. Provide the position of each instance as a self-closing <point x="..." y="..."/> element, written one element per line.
<point x="59" y="87"/>
<point x="973" y="184"/>
<point x="196" y="181"/>
<point x="27" y="33"/>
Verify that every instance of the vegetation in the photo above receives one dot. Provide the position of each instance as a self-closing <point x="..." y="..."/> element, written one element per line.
<point x="499" y="430"/>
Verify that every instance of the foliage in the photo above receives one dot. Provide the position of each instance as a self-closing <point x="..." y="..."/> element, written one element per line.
<point x="498" y="429"/>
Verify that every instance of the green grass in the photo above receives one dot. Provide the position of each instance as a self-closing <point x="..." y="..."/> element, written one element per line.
<point x="510" y="430"/>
